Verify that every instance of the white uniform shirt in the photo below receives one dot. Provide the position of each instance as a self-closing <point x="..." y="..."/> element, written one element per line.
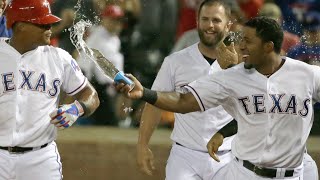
<point x="192" y="130"/>
<point x="109" y="46"/>
<point x="29" y="91"/>
<point x="274" y="114"/>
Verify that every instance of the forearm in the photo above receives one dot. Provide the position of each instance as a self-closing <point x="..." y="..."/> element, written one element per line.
<point x="171" y="101"/>
<point x="89" y="100"/>
<point x="150" y="119"/>
<point x="91" y="103"/>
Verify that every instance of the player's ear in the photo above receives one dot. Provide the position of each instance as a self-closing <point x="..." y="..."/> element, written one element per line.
<point x="197" y="21"/>
<point x="269" y="46"/>
<point x="18" y="26"/>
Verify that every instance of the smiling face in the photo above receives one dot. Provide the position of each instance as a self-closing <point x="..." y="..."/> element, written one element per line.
<point x="252" y="48"/>
<point x="261" y="42"/>
<point x="213" y="24"/>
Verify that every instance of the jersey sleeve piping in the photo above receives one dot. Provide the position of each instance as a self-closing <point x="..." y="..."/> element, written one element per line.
<point x="83" y="84"/>
<point x="196" y="95"/>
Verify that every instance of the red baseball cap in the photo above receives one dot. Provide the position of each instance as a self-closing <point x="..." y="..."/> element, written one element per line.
<point x="33" y="11"/>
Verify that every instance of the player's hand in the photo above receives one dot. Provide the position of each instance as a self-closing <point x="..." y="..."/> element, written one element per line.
<point x="145" y="160"/>
<point x="226" y="55"/>
<point x="135" y="93"/>
<point x="214" y="144"/>
<point x="66" y="115"/>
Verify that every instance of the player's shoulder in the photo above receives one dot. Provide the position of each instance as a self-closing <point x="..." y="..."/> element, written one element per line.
<point x="235" y="68"/>
<point x="229" y="73"/>
<point x="297" y="65"/>
<point x="5" y="47"/>
<point x="184" y="54"/>
<point x="303" y="69"/>
<point x="52" y="49"/>
<point x="294" y="62"/>
<point x="3" y="39"/>
<point x="55" y="51"/>
<point x="3" y="43"/>
<point x="235" y="71"/>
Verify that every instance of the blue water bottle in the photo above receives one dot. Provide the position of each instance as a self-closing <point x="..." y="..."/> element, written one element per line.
<point x="121" y="78"/>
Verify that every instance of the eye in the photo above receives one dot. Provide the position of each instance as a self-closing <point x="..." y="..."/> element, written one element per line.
<point x="204" y="19"/>
<point x="216" y="20"/>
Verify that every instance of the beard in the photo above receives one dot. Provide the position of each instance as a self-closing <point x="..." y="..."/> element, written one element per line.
<point x="210" y="42"/>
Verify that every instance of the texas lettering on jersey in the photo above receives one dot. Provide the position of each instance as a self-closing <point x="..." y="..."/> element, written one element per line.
<point x="31" y="82"/>
<point x="281" y="106"/>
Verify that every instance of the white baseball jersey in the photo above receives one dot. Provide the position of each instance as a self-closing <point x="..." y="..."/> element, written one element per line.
<point x="29" y="91"/>
<point x="3" y="39"/>
<point x="274" y="114"/>
<point x="192" y="130"/>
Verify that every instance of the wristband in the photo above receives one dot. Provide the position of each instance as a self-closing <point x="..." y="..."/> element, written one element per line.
<point x="230" y="129"/>
<point x="149" y="96"/>
<point x="81" y="107"/>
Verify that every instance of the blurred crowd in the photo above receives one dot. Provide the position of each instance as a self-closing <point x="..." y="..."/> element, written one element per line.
<point x="136" y="35"/>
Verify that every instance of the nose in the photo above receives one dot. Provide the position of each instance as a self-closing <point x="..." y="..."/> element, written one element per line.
<point x="211" y="23"/>
<point x="242" y="45"/>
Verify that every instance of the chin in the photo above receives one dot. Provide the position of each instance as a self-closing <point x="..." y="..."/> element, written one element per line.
<point x="210" y="43"/>
<point x="46" y="42"/>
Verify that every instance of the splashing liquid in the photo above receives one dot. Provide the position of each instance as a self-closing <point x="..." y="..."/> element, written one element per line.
<point x="103" y="64"/>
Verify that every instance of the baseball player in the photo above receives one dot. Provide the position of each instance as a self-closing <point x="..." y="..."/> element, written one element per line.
<point x="32" y="73"/>
<point x="270" y="96"/>
<point x="310" y="170"/>
<point x="189" y="158"/>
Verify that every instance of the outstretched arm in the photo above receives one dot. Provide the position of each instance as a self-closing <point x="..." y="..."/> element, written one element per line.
<point x="176" y="102"/>
<point x="170" y="101"/>
<point x="149" y="121"/>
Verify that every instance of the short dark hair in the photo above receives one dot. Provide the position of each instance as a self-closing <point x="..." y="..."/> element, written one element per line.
<point x="227" y="8"/>
<point x="267" y="29"/>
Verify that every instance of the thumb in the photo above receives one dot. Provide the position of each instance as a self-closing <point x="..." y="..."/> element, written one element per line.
<point x="232" y="48"/>
<point x="211" y="151"/>
<point x="130" y="76"/>
<point x="214" y="156"/>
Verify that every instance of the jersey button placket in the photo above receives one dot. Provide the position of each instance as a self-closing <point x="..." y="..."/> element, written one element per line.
<point x="20" y="102"/>
<point x="270" y="116"/>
